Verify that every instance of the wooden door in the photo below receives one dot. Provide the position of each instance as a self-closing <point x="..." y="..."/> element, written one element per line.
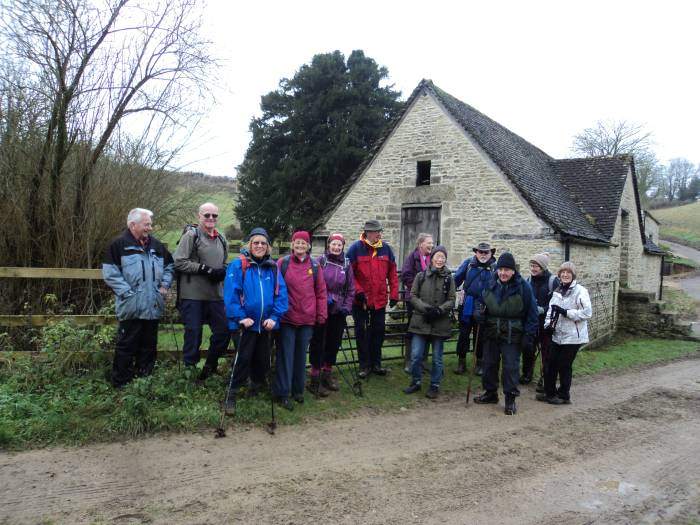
<point x="415" y="221"/>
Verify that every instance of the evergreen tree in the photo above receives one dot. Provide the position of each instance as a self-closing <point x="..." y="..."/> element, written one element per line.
<point x="315" y="130"/>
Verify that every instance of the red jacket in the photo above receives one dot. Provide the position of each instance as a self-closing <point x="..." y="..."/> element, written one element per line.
<point x="373" y="268"/>
<point x="307" y="302"/>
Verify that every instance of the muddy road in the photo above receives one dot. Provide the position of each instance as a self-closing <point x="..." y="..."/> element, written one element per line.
<point x="626" y="451"/>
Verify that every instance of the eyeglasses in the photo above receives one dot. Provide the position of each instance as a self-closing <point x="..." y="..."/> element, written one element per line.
<point x="210" y="215"/>
<point x="259" y="243"/>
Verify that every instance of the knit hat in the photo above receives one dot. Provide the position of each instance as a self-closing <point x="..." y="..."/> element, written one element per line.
<point x="303" y="235"/>
<point x="258" y="231"/>
<point x="484" y="247"/>
<point x="336" y="237"/>
<point x="506" y="260"/>
<point x="438" y="248"/>
<point x="372" y="225"/>
<point x="541" y="260"/>
<point x="568" y="265"/>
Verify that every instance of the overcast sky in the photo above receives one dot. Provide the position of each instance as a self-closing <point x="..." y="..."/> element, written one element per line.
<point x="545" y="70"/>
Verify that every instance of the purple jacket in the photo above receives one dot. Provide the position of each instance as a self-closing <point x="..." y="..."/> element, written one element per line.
<point x="411" y="267"/>
<point x="340" y="282"/>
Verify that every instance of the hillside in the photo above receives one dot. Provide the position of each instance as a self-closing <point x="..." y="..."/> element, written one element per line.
<point x="680" y="224"/>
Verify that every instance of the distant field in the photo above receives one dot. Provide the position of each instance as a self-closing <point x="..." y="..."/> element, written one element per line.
<point x="680" y="224"/>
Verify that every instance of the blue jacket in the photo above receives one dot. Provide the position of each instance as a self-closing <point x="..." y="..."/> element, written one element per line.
<point x="255" y="298"/>
<point x="136" y="273"/>
<point x="475" y="278"/>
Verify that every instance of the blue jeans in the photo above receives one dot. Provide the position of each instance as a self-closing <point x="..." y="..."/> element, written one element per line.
<point x="291" y="360"/>
<point x="418" y="345"/>
<point x="194" y="314"/>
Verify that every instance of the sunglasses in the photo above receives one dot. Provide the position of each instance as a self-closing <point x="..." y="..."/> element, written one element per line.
<point x="210" y="215"/>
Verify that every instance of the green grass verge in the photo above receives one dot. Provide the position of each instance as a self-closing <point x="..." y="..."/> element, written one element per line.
<point x="680" y="224"/>
<point x="680" y="302"/>
<point x="40" y="407"/>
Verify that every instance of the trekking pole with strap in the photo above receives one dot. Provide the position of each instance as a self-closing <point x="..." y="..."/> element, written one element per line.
<point x="221" y="429"/>
<point x="353" y="382"/>
<point x="473" y="368"/>
<point x="177" y="346"/>
<point x="272" y="425"/>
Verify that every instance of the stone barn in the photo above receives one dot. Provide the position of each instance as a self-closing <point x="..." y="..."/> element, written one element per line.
<point x="445" y="168"/>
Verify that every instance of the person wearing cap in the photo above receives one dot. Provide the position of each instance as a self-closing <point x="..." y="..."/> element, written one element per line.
<point x="327" y="338"/>
<point x="472" y="275"/>
<point x="507" y="311"/>
<point x="308" y="307"/>
<point x="543" y="283"/>
<point x="567" y="320"/>
<point x="374" y="269"/>
<point x="255" y="297"/>
<point x="417" y="261"/>
<point x="200" y="263"/>
<point x="433" y="297"/>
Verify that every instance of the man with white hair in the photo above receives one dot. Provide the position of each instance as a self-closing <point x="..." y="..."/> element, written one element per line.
<point x="139" y="270"/>
<point x="200" y="262"/>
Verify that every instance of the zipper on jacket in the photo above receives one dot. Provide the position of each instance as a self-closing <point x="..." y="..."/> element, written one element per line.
<point x="262" y="300"/>
<point x="143" y="271"/>
<point x="153" y="271"/>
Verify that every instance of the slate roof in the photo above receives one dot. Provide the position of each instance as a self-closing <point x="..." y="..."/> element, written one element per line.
<point x="579" y="198"/>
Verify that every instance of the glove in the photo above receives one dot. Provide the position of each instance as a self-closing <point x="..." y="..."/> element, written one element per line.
<point x="205" y="270"/>
<point x="549" y="331"/>
<point x="540" y="310"/>
<point x="432" y="313"/>
<point x="479" y="314"/>
<point x="361" y="298"/>
<point x="558" y="309"/>
<point x="216" y="275"/>
<point x="527" y="341"/>
<point x="393" y="302"/>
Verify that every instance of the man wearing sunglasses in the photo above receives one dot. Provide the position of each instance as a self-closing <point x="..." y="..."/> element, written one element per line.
<point x="200" y="260"/>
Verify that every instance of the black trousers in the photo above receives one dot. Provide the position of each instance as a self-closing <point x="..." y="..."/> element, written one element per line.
<point x="465" y="333"/>
<point x="326" y="341"/>
<point x="369" y="333"/>
<point x="494" y="351"/>
<point x="135" y="352"/>
<point x="252" y="359"/>
<point x="560" y="364"/>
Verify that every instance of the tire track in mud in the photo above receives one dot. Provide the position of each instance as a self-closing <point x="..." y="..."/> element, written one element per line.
<point x="439" y="459"/>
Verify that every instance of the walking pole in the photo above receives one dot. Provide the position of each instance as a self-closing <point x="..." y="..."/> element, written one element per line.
<point x="177" y="347"/>
<point x="471" y="371"/>
<point x="356" y="383"/>
<point x="272" y="425"/>
<point x="221" y="430"/>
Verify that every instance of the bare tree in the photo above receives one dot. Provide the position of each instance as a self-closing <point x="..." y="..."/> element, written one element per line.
<point x="114" y="78"/>
<point x="677" y="177"/>
<point x="612" y="138"/>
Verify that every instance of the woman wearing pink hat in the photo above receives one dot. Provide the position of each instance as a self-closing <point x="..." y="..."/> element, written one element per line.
<point x="327" y="338"/>
<point x="306" y="292"/>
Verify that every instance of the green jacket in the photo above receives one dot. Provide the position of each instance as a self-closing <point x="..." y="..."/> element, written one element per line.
<point x="432" y="288"/>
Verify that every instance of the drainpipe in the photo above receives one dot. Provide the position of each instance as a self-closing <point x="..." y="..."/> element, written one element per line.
<point x="661" y="280"/>
<point x="567" y="250"/>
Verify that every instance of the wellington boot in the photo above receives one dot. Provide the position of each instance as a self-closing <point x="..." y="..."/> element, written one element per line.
<point x="461" y="366"/>
<point x="510" y="409"/>
<point x="315" y="387"/>
<point x="328" y="381"/>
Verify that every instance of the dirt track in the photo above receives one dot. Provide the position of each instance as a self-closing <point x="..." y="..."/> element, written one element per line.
<point x="626" y="451"/>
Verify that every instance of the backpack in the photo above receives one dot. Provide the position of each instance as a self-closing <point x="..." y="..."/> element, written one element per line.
<point x="445" y="284"/>
<point x="323" y="261"/>
<point x="245" y="264"/>
<point x="314" y="268"/>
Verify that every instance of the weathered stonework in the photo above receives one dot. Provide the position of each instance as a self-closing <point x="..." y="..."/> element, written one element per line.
<point x="479" y="203"/>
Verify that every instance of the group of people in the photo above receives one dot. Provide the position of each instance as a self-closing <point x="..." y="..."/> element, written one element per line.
<point x="300" y="304"/>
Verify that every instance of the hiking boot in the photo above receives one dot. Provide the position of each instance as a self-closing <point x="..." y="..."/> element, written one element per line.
<point x="230" y="405"/>
<point x="285" y="403"/>
<point x="412" y="388"/>
<point x="432" y="392"/>
<point x="542" y="397"/>
<point x="206" y="372"/>
<point x="510" y="409"/>
<point x="557" y="401"/>
<point x="540" y="386"/>
<point x="328" y="381"/>
<point x="525" y="379"/>
<point x="486" y="398"/>
<point x="461" y="366"/>
<point x="299" y="398"/>
<point x="565" y="401"/>
<point x="378" y="370"/>
<point x="315" y="387"/>
<point x="364" y="373"/>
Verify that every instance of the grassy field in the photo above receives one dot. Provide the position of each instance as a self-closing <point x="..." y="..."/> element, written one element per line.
<point x="680" y="224"/>
<point x="42" y="406"/>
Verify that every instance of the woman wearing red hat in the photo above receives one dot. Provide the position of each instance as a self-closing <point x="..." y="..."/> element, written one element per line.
<point x="306" y="292"/>
<point x="327" y="338"/>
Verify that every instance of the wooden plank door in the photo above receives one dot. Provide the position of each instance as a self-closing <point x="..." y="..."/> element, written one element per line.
<point x="415" y="221"/>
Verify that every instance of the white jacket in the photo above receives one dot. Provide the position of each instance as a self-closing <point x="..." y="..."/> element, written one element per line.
<point x="572" y="329"/>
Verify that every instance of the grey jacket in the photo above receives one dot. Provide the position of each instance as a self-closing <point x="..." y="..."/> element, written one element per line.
<point x="195" y="248"/>
<point x="136" y="273"/>
<point x="432" y="288"/>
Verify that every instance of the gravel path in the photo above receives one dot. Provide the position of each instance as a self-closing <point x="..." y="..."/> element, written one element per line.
<point x="624" y="452"/>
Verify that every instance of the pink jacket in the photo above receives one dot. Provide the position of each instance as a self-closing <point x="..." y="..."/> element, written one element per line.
<point x="307" y="302"/>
